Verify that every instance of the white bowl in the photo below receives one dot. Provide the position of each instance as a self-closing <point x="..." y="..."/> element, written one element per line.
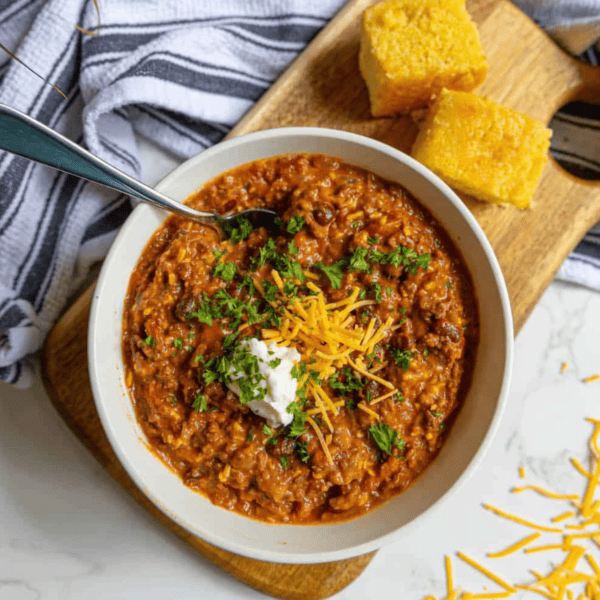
<point x="471" y="433"/>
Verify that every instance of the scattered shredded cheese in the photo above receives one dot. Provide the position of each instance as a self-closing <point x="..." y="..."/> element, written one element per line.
<point x="515" y="547"/>
<point x="572" y="571"/>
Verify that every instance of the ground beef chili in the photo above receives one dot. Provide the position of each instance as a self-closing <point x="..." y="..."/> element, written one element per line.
<point x="192" y="293"/>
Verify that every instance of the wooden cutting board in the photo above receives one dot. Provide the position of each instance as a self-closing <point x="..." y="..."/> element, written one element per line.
<point x="323" y="88"/>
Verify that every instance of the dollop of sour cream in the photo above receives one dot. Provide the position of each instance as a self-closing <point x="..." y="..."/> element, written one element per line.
<point x="275" y="364"/>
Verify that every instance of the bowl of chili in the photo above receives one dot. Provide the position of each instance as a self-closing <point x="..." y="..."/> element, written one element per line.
<point x="395" y="409"/>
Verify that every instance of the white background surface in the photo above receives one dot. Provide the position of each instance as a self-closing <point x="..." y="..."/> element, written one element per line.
<point x="68" y="531"/>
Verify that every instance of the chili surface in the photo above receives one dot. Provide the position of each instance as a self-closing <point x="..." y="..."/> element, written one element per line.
<point x="194" y="295"/>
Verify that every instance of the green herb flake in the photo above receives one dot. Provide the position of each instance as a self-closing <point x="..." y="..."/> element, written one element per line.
<point x="284" y="461"/>
<point x="250" y="436"/>
<point x="178" y="342"/>
<point x="386" y="438"/>
<point x="203" y="314"/>
<point x="333" y="272"/>
<point x="298" y="425"/>
<point x="200" y="403"/>
<point x="402" y="358"/>
<point x="274" y="363"/>
<point x="237" y="230"/>
<point x="358" y="260"/>
<point x="225" y="270"/>
<point x="372" y="240"/>
<point x="448" y="285"/>
<point x="376" y="287"/>
<point x="149" y="341"/>
<point x="302" y="451"/>
<point x="292" y="248"/>
<point x="219" y="254"/>
<point x="295" y="224"/>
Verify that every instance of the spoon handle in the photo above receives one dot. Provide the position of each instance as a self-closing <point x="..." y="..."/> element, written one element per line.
<point x="22" y="135"/>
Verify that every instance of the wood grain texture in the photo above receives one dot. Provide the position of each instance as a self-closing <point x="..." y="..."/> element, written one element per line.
<point x="323" y="88"/>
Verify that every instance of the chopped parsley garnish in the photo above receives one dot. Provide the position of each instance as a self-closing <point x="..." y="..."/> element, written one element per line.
<point x="302" y="451"/>
<point x="402" y="256"/>
<point x="351" y="382"/>
<point x="178" y="342"/>
<point x="386" y="438"/>
<point x="149" y="341"/>
<point x="219" y="254"/>
<point x="334" y="273"/>
<point x="266" y="253"/>
<point x="284" y="461"/>
<point x="298" y="425"/>
<point x="274" y="363"/>
<point x="295" y="224"/>
<point x="250" y="436"/>
<point x="358" y="260"/>
<point x="270" y="290"/>
<point x="376" y="287"/>
<point x="290" y="289"/>
<point x="267" y="431"/>
<point x="292" y="248"/>
<point x="237" y="230"/>
<point x="200" y="404"/>
<point x="173" y="400"/>
<point x="248" y="282"/>
<point x="436" y="413"/>
<point x="203" y="314"/>
<point x="225" y="270"/>
<point x="402" y="358"/>
<point x="448" y="285"/>
<point x="372" y="240"/>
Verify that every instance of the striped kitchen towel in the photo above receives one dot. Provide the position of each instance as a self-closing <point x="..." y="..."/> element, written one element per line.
<point x="180" y="72"/>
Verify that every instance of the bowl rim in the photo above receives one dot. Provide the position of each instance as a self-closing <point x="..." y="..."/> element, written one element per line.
<point x="502" y="394"/>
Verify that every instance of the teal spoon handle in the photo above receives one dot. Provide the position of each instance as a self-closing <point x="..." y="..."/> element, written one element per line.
<point x="22" y="135"/>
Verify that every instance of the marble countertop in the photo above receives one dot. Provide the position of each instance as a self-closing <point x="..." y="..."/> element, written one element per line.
<point x="69" y="532"/>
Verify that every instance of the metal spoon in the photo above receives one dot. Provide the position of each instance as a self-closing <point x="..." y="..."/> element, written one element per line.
<point x="22" y="135"/>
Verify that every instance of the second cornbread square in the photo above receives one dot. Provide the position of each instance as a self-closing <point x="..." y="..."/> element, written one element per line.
<point x="482" y="148"/>
<point x="410" y="49"/>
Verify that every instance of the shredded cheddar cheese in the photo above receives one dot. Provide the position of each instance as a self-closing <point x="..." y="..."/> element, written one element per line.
<point x="515" y="547"/>
<point x="329" y="337"/>
<point x="578" y="569"/>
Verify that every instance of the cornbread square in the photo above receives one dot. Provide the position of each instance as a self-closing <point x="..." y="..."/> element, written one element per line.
<point x="483" y="149"/>
<point x="410" y="49"/>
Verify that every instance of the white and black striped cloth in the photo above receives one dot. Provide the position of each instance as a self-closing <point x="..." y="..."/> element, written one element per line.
<point x="180" y="72"/>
